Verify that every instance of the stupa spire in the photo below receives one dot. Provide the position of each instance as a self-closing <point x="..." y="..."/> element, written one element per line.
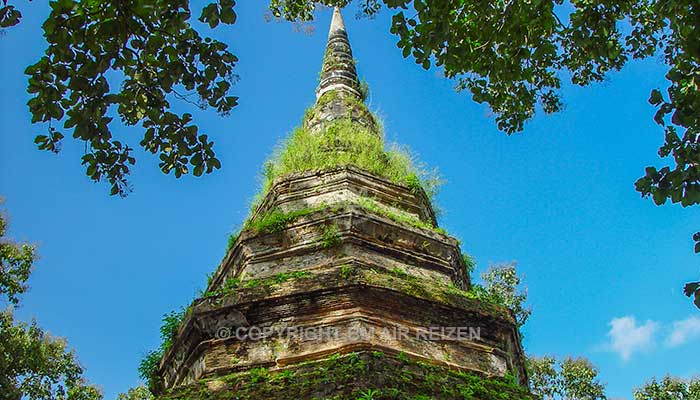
<point x="339" y="95"/>
<point x="338" y="71"/>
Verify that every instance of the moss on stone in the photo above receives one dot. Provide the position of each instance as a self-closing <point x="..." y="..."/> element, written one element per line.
<point x="352" y="274"/>
<point x="276" y="220"/>
<point x="232" y="285"/>
<point x="349" y="377"/>
<point x="371" y="205"/>
<point x="448" y="294"/>
<point x="349" y="102"/>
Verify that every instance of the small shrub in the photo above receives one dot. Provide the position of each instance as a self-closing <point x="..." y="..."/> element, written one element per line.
<point x="169" y="327"/>
<point x="403" y="357"/>
<point x="399" y="272"/>
<point x="231" y="284"/>
<point x="285" y="276"/>
<point x="283" y="375"/>
<point x="364" y="90"/>
<point x="368" y="394"/>
<point x="330" y="237"/>
<point x="469" y="263"/>
<point x="346" y="271"/>
<point x="149" y="364"/>
<point x="258" y="375"/>
<point x="502" y="286"/>
<point x="253" y="283"/>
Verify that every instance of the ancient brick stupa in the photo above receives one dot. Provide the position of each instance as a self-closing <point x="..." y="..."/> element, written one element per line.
<point x="341" y="285"/>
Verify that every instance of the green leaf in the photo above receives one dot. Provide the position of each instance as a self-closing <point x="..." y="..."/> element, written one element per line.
<point x="198" y="170"/>
<point x="9" y="16"/>
<point x="210" y="15"/>
<point x="691" y="288"/>
<point x="215" y="163"/>
<point x="155" y="52"/>
<point x="656" y="98"/>
<point x="659" y="197"/>
<point x="228" y="16"/>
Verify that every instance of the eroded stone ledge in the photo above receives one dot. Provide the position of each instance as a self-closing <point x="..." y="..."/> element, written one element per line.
<point x="343" y="185"/>
<point x="390" y="376"/>
<point x="361" y="233"/>
<point x="338" y="298"/>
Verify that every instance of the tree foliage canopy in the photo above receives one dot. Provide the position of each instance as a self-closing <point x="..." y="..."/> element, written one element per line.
<point x="137" y="393"/>
<point x="502" y="285"/>
<point x="33" y="364"/>
<point x="9" y="15"/>
<point x="572" y="378"/>
<point x="577" y="379"/>
<point x="38" y="366"/>
<point x="16" y="261"/>
<point x="669" y="388"/>
<point x="132" y="57"/>
<point x="510" y="55"/>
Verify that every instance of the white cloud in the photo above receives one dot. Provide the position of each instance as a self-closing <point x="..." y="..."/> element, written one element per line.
<point x="626" y="338"/>
<point x="683" y="331"/>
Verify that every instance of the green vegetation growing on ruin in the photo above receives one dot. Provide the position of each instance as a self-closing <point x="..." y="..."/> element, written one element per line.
<point x="276" y="219"/>
<point x="396" y="279"/>
<point x="498" y="297"/>
<point x="232" y="240"/>
<point x="339" y="143"/>
<point x="231" y="285"/>
<point x="171" y="322"/>
<point x="469" y="263"/>
<point x="168" y="330"/>
<point x="330" y="237"/>
<point x="345" y="378"/>
<point x="344" y="142"/>
<point x="276" y="279"/>
<point x="372" y="205"/>
<point x="354" y="107"/>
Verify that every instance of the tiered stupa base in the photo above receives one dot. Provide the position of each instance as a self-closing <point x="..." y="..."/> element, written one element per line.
<point x="382" y="283"/>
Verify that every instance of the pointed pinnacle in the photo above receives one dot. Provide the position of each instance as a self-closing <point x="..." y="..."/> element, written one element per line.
<point x="338" y="71"/>
<point x="337" y="23"/>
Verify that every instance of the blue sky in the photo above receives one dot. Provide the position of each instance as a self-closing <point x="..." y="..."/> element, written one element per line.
<point x="604" y="268"/>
